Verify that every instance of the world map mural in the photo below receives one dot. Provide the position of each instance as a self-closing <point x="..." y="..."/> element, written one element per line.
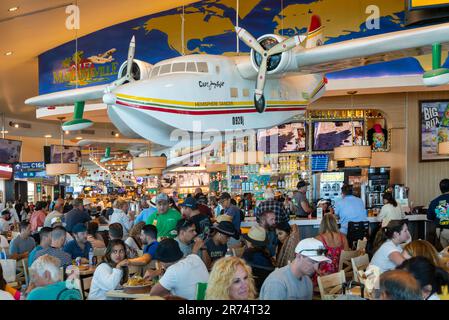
<point x="209" y="29"/>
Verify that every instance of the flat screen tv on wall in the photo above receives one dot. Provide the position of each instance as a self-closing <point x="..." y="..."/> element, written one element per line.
<point x="10" y="150"/>
<point x="283" y="138"/>
<point x="328" y="135"/>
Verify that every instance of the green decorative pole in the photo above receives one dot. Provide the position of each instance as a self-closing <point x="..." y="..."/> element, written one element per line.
<point x="438" y="75"/>
<point x="107" y="152"/>
<point x="78" y="123"/>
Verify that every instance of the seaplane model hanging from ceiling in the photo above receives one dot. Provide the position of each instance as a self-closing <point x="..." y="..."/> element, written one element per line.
<point x="199" y="93"/>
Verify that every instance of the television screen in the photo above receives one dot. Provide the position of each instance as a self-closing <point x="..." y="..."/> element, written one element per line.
<point x="320" y="162"/>
<point x="5" y="171"/>
<point x="283" y="138"/>
<point x="330" y="134"/>
<point x="70" y="154"/>
<point x="10" y="150"/>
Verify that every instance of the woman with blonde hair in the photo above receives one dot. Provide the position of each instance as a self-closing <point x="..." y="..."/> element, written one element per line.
<point x="334" y="241"/>
<point x="423" y="248"/>
<point x="231" y="279"/>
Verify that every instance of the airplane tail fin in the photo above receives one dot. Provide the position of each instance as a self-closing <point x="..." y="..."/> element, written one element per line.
<point x="315" y="33"/>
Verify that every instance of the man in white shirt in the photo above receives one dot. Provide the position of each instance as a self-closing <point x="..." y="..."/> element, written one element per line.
<point x="13" y="212"/>
<point x="120" y="216"/>
<point x="57" y="212"/>
<point x="5" y="221"/>
<point x="182" y="274"/>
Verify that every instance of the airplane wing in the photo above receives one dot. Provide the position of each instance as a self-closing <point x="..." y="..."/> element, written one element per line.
<point x="68" y="96"/>
<point x="369" y="50"/>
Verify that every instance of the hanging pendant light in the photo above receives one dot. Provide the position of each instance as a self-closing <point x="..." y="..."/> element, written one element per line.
<point x="62" y="168"/>
<point x="149" y="163"/>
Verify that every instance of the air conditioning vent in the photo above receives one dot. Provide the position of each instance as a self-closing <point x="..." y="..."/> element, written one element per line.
<point x="87" y="131"/>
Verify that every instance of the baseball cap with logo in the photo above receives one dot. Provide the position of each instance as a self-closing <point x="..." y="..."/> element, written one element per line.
<point x="161" y="197"/>
<point x="312" y="248"/>
<point x="190" y="202"/>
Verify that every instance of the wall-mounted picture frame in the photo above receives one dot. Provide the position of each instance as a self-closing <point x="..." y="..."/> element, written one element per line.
<point x="434" y="128"/>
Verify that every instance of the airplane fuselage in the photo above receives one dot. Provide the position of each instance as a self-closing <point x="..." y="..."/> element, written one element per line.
<point x="199" y="93"/>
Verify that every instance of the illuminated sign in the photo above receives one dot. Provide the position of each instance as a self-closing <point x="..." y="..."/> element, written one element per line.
<point x="421" y="4"/>
<point x="332" y="176"/>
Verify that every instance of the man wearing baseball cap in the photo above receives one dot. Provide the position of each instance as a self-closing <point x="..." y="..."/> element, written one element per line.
<point x="293" y="282"/>
<point x="190" y="210"/>
<point x="165" y="218"/>
<point x="303" y="208"/>
<point x="230" y="210"/>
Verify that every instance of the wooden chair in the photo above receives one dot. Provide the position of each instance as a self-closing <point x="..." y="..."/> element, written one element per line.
<point x="85" y="286"/>
<point x="99" y="253"/>
<point x="21" y="276"/>
<point x="26" y="272"/>
<point x="331" y="285"/>
<point x="359" y="263"/>
<point x="345" y="262"/>
<point x="361" y="245"/>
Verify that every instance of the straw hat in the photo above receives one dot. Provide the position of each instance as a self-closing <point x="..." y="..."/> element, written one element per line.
<point x="257" y="236"/>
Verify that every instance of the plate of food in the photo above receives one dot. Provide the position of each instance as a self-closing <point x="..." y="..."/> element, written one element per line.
<point x="83" y="267"/>
<point x="137" y="284"/>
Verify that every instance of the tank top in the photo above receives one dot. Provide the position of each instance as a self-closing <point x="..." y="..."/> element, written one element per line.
<point x="333" y="253"/>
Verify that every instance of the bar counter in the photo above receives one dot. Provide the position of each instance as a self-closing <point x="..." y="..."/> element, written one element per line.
<point x="309" y="227"/>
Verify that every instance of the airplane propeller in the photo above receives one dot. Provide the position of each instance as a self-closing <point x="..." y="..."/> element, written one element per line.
<point x="128" y="77"/>
<point x="250" y="41"/>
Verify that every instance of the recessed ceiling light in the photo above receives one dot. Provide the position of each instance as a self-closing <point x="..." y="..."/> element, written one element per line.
<point x="12" y="9"/>
<point x="47" y="136"/>
<point x="8" y="53"/>
<point x="16" y="125"/>
<point x="4" y="131"/>
<point x="117" y="135"/>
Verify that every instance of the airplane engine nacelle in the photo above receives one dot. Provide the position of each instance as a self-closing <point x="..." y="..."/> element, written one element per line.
<point x="141" y="70"/>
<point x="277" y="62"/>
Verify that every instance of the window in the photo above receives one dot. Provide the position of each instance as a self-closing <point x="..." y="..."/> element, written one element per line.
<point x="179" y="67"/>
<point x="202" y="67"/>
<point x="234" y="92"/>
<point x="191" y="67"/>
<point x="165" y="68"/>
<point x="245" y="92"/>
<point x="155" y="71"/>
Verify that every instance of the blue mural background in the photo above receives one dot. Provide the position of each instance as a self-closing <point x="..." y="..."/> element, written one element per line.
<point x="209" y="29"/>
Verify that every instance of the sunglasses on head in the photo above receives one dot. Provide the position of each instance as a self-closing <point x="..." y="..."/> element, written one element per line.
<point x="318" y="252"/>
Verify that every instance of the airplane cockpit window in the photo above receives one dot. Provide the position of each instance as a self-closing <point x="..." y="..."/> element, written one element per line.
<point x="202" y="67"/>
<point x="179" y="67"/>
<point x="155" y="71"/>
<point x="191" y="67"/>
<point x="165" y="68"/>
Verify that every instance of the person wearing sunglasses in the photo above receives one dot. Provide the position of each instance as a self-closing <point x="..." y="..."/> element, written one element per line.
<point x="292" y="282"/>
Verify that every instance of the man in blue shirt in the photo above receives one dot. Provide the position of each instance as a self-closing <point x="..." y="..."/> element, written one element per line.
<point x="79" y="247"/>
<point x="231" y="210"/>
<point x="148" y="236"/>
<point x="45" y="241"/>
<point x="146" y="212"/>
<point x="439" y="213"/>
<point x="349" y="208"/>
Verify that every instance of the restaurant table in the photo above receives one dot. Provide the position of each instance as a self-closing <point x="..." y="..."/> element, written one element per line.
<point x="88" y="272"/>
<point x="119" y="293"/>
<point x="310" y="227"/>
